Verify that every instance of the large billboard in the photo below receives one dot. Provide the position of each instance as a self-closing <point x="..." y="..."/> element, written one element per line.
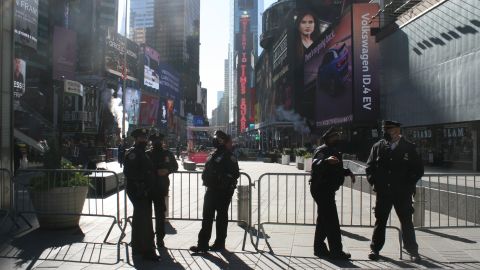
<point x="26" y="22"/>
<point x="114" y="56"/>
<point x="170" y="86"/>
<point x="244" y="71"/>
<point x="19" y="72"/>
<point x="64" y="53"/>
<point x="366" y="105"/>
<point x="149" y="110"/>
<point x="132" y="105"/>
<point x="331" y="60"/>
<point x="151" y="63"/>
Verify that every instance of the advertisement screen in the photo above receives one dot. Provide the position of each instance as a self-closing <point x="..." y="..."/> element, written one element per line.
<point x="26" y="22"/>
<point x="114" y="56"/>
<point x="162" y="114"/>
<point x="19" y="78"/>
<point x="149" y="110"/>
<point x="366" y="106"/>
<point x="64" y="53"/>
<point x="170" y="85"/>
<point x="244" y="71"/>
<point x="151" y="61"/>
<point x="328" y="72"/>
<point x="132" y="105"/>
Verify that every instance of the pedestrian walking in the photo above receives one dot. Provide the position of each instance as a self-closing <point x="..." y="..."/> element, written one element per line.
<point x="138" y="171"/>
<point x="164" y="163"/>
<point x="328" y="175"/>
<point x="122" y="147"/>
<point x="393" y="169"/>
<point x="220" y="177"/>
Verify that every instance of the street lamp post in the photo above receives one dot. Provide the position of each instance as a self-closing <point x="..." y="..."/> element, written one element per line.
<point x="124" y="72"/>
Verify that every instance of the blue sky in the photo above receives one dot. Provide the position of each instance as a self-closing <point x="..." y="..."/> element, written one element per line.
<point x="214" y="37"/>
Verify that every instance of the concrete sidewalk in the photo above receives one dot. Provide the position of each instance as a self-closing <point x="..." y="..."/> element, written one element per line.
<point x="291" y="244"/>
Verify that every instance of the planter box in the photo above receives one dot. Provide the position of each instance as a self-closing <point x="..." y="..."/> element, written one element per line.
<point x="285" y="159"/>
<point x="307" y="164"/>
<point x="299" y="161"/>
<point x="50" y="204"/>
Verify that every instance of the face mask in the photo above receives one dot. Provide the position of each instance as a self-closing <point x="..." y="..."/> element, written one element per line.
<point x="387" y="136"/>
<point x="157" y="145"/>
<point x="334" y="143"/>
<point x="142" y="144"/>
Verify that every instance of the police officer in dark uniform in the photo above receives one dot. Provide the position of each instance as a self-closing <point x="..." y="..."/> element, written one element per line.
<point x="164" y="163"/>
<point x="393" y="169"/>
<point x="220" y="177"/>
<point x="138" y="170"/>
<point x="327" y="176"/>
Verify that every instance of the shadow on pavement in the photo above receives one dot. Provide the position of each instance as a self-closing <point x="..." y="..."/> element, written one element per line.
<point x="57" y="245"/>
<point x="169" y="229"/>
<point x="355" y="236"/>
<point x="448" y="236"/>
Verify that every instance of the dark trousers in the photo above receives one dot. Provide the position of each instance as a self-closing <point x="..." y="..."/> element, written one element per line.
<point x="328" y="225"/>
<point x="160" y="207"/>
<point x="402" y="202"/>
<point x="215" y="200"/>
<point x="142" y="228"/>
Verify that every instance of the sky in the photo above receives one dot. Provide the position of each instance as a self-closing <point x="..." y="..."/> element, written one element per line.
<point x="214" y="38"/>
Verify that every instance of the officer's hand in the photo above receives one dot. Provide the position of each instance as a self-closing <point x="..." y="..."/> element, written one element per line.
<point x="352" y="177"/>
<point x="332" y="160"/>
<point x="162" y="172"/>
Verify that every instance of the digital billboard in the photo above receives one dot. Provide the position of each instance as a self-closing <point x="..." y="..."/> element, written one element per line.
<point x="132" y="105"/>
<point x="170" y="85"/>
<point x="26" y="22"/>
<point x="149" y="110"/>
<point x="151" y="67"/>
<point x="328" y="70"/>
<point x="114" y="56"/>
<point x="244" y="71"/>
<point x="19" y="72"/>
<point x="64" y="53"/>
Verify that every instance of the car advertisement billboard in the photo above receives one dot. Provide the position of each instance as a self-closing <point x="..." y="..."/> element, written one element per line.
<point x="366" y="105"/>
<point x="328" y="71"/>
<point x="149" y="110"/>
<point x="114" y="56"/>
<point x="26" y="22"/>
<point x="151" y="77"/>
<point x="64" y="53"/>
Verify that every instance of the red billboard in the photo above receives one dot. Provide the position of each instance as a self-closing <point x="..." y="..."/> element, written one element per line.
<point x="244" y="71"/>
<point x="149" y="110"/>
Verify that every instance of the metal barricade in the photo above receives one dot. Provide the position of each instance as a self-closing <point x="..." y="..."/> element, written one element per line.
<point x="186" y="195"/>
<point x="34" y="189"/>
<point x="285" y="199"/>
<point x="448" y="201"/>
<point x="6" y="196"/>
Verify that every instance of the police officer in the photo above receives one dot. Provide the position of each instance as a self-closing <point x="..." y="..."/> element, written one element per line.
<point x="164" y="163"/>
<point x="220" y="177"/>
<point x="393" y="169"/>
<point x="327" y="176"/>
<point x="138" y="170"/>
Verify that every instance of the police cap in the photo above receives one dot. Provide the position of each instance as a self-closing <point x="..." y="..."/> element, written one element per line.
<point x="139" y="132"/>
<point x="330" y="132"/>
<point x="220" y="137"/>
<point x="156" y="136"/>
<point x="390" y="124"/>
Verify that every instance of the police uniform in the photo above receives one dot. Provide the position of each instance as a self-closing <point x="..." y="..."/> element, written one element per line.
<point x="393" y="170"/>
<point x="326" y="180"/>
<point x="220" y="178"/>
<point x="161" y="159"/>
<point x="138" y="170"/>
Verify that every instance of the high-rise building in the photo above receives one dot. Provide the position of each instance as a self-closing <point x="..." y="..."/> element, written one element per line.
<point x="176" y="36"/>
<point x="243" y="53"/>
<point x="141" y="18"/>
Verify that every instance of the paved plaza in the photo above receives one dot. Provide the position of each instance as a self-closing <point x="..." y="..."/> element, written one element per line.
<point x="282" y="199"/>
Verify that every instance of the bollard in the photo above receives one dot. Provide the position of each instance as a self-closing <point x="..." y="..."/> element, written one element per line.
<point x="419" y="207"/>
<point x="243" y="199"/>
<point x="166" y="205"/>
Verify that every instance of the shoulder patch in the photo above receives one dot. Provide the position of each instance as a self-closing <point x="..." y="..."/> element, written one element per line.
<point x="233" y="158"/>
<point x="132" y="156"/>
<point x="320" y="155"/>
<point x="167" y="159"/>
